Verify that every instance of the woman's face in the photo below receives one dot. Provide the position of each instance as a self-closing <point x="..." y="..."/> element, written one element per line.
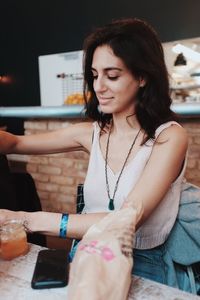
<point x="113" y="83"/>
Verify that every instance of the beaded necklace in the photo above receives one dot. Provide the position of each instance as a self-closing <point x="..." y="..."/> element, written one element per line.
<point x="111" y="199"/>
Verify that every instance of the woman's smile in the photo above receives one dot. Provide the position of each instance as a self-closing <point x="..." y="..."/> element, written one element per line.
<point x="104" y="100"/>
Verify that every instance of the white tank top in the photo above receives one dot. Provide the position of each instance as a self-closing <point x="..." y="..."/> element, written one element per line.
<point x="157" y="227"/>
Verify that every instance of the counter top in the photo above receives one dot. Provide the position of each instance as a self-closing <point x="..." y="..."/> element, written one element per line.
<point x="15" y="283"/>
<point x="77" y="111"/>
<point x="66" y="111"/>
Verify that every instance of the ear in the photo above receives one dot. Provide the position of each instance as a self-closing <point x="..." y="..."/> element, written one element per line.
<point x="142" y="82"/>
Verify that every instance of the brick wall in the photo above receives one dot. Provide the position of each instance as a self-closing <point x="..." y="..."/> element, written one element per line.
<point x="57" y="176"/>
<point x="193" y="164"/>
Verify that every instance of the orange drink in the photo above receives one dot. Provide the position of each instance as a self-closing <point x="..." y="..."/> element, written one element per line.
<point x="13" y="240"/>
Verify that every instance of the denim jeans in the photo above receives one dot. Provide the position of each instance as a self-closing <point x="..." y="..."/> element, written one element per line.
<point x="149" y="264"/>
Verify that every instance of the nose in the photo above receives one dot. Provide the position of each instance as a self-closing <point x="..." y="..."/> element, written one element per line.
<point x="99" y="85"/>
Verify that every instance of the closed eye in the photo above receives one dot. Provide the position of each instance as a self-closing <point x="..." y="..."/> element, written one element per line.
<point x="94" y="76"/>
<point x="113" y="77"/>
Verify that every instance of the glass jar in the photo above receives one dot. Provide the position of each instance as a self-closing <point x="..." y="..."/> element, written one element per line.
<point x="13" y="240"/>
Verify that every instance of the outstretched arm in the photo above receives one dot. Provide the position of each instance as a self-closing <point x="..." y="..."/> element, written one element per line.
<point x="74" y="137"/>
<point x="49" y="222"/>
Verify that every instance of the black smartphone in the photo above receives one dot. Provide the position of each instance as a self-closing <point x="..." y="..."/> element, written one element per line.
<point x="51" y="269"/>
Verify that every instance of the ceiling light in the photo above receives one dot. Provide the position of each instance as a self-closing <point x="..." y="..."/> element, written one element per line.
<point x="180" y="60"/>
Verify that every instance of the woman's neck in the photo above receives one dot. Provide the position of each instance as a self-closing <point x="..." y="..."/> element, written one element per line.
<point x="124" y="125"/>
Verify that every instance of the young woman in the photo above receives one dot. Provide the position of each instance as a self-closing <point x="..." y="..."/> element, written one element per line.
<point x="137" y="149"/>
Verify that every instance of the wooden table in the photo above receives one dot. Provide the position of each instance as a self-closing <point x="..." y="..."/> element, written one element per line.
<point x="15" y="278"/>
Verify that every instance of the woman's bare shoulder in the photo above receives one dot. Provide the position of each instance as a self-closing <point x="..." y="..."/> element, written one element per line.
<point x="175" y="134"/>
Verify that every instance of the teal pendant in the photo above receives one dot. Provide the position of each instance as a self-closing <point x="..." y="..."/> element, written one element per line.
<point x="111" y="205"/>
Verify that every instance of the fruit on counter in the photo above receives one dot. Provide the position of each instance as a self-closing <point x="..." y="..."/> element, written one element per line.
<point x="76" y="98"/>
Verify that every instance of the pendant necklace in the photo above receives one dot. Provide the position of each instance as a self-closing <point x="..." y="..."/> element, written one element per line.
<point x="111" y="199"/>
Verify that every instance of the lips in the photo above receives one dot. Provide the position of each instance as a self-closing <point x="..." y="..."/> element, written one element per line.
<point x="104" y="100"/>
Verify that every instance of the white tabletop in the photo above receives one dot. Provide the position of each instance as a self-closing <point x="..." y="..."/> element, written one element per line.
<point x="16" y="275"/>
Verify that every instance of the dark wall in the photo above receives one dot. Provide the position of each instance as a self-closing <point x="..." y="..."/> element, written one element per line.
<point x="36" y="27"/>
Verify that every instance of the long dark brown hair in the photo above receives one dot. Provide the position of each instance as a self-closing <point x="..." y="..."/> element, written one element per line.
<point x="136" y="43"/>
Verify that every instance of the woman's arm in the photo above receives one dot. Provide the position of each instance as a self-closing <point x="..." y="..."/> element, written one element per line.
<point x="49" y="222"/>
<point x="162" y="169"/>
<point x="74" y="137"/>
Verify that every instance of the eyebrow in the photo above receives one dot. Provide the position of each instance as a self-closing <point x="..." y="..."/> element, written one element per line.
<point x="108" y="69"/>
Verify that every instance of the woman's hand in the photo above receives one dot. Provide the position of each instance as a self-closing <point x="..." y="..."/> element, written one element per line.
<point x="6" y="215"/>
<point x="39" y="221"/>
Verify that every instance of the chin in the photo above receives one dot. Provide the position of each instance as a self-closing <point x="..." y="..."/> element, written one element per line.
<point x="108" y="112"/>
<point x="105" y="110"/>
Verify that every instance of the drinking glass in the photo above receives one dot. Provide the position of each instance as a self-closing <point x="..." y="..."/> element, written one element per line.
<point x="13" y="240"/>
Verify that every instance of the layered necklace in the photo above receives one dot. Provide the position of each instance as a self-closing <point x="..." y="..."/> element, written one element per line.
<point x="111" y="199"/>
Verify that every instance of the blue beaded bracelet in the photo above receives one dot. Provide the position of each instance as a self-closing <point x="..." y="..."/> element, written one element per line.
<point x="63" y="226"/>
